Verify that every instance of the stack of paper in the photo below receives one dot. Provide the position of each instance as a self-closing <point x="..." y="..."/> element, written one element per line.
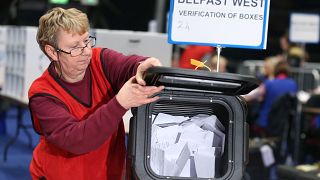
<point x="186" y="146"/>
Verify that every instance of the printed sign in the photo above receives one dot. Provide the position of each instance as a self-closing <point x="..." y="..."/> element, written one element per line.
<point x="228" y="23"/>
<point x="304" y="28"/>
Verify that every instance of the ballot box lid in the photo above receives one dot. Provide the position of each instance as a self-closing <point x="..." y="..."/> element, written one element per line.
<point x="178" y="79"/>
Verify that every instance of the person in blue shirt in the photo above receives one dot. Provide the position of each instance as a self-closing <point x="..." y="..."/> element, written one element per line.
<point x="273" y="89"/>
<point x="269" y="91"/>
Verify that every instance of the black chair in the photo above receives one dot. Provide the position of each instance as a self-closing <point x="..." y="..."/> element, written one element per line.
<point x="311" y="142"/>
<point x="281" y="124"/>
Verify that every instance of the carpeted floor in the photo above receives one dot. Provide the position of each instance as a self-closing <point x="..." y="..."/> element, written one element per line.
<point x="19" y="154"/>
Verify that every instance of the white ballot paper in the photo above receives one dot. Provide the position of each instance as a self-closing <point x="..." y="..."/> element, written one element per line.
<point x="186" y="146"/>
<point x="208" y="123"/>
<point x="205" y="162"/>
<point x="167" y="120"/>
<point x="218" y="139"/>
<point x="161" y="139"/>
<point x="267" y="155"/>
<point x="178" y="157"/>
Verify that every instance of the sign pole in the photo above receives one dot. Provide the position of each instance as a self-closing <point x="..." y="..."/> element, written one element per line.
<point x="219" y="49"/>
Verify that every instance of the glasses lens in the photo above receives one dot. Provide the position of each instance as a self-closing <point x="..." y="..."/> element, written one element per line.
<point x="76" y="51"/>
<point x="79" y="51"/>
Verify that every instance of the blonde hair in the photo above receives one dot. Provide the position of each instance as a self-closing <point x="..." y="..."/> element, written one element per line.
<point x="270" y="64"/>
<point x="222" y="63"/>
<point x="298" y="52"/>
<point x="69" y="20"/>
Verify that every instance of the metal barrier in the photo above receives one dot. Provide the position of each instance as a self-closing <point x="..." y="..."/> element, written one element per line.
<point x="250" y="67"/>
<point x="307" y="77"/>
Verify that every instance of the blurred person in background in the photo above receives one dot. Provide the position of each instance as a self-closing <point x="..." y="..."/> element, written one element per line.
<point x="266" y="73"/>
<point x="254" y="98"/>
<point x="292" y="52"/>
<point x="78" y="103"/>
<point x="200" y="53"/>
<point x="269" y="91"/>
<point x="297" y="56"/>
<point x="268" y="70"/>
<point x="223" y="63"/>
<point x="284" y="44"/>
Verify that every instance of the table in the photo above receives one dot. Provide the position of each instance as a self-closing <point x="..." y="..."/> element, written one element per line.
<point x="291" y="173"/>
<point x="313" y="110"/>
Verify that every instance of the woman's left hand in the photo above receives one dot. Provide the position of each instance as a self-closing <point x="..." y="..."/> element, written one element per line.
<point x="150" y="62"/>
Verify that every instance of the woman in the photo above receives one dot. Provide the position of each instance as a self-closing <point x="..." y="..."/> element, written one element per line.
<point x="78" y="103"/>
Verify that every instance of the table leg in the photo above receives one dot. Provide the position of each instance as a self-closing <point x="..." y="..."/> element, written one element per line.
<point x="14" y="138"/>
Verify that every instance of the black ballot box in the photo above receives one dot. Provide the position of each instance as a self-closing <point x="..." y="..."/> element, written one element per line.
<point x="196" y="130"/>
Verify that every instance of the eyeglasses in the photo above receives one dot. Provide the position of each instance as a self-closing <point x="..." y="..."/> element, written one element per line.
<point x="91" y="42"/>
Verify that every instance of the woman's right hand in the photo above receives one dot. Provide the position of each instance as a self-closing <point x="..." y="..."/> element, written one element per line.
<point x="133" y="94"/>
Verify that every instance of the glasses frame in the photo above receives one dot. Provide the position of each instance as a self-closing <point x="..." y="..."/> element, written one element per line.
<point x="91" y="38"/>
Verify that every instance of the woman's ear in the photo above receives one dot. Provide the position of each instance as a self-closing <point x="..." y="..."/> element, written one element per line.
<point x="52" y="53"/>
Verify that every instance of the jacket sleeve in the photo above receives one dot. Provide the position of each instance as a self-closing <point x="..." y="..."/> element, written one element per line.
<point x="119" y="68"/>
<point x="68" y="133"/>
